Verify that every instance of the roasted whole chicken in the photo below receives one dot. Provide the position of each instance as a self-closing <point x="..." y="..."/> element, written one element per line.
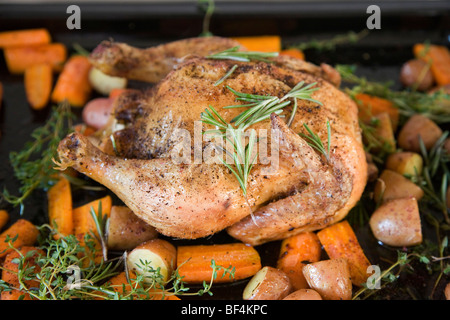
<point x="197" y="198"/>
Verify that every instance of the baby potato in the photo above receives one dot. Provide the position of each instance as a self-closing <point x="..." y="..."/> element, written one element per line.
<point x="97" y="112"/>
<point x="304" y="294"/>
<point x="385" y="131"/>
<point x="268" y="284"/>
<point x="103" y="83"/>
<point x="416" y="73"/>
<point x="405" y="163"/>
<point x="125" y="230"/>
<point x="153" y="254"/>
<point x="418" y="126"/>
<point x="397" y="223"/>
<point x="392" y="185"/>
<point x="330" y="278"/>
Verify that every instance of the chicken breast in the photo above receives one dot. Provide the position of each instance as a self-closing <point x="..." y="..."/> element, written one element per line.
<point x="193" y="195"/>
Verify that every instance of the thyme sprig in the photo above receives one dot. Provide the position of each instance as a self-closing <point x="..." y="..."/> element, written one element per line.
<point x="243" y="56"/>
<point x="33" y="165"/>
<point x="65" y="269"/>
<point x="331" y="44"/>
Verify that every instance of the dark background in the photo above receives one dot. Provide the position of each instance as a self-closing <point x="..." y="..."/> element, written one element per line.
<point x="378" y="56"/>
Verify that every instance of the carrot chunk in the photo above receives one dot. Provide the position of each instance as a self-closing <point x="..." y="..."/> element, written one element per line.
<point x="339" y="241"/>
<point x="194" y="262"/>
<point x="18" y="59"/>
<point x="23" y="232"/>
<point x="73" y="83"/>
<point x="438" y="57"/>
<point x="16" y="38"/>
<point x="295" y="253"/>
<point x="260" y="43"/>
<point x="60" y="207"/>
<point x="38" y="85"/>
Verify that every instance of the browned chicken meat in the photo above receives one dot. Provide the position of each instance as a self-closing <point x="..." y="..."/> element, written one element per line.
<point x="196" y="197"/>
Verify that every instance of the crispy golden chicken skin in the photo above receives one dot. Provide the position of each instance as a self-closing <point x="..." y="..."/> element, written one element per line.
<point x="194" y="199"/>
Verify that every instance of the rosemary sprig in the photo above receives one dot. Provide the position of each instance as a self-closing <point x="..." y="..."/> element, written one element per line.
<point x="229" y="73"/>
<point x="261" y="107"/>
<point x="315" y="142"/>
<point x="242" y="155"/>
<point x="244" y="56"/>
<point x="208" y="7"/>
<point x="33" y="165"/>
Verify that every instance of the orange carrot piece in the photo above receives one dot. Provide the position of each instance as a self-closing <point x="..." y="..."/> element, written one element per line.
<point x="18" y="59"/>
<point x="295" y="253"/>
<point x="11" y="268"/>
<point x="118" y="91"/>
<point x="73" y="83"/>
<point x="4" y="217"/>
<point x="194" y="262"/>
<point x="438" y="57"/>
<point x="370" y="106"/>
<point x="82" y="220"/>
<point x="260" y="43"/>
<point x="23" y="231"/>
<point x="339" y="241"/>
<point x="25" y="37"/>
<point x="38" y="85"/>
<point x="293" y="52"/>
<point x="60" y="207"/>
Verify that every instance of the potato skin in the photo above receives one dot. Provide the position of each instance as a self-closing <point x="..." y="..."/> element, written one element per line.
<point x="405" y="163"/>
<point x="416" y="70"/>
<point x="97" y="112"/>
<point x="126" y="230"/>
<point x="274" y="285"/>
<point x="304" y="294"/>
<point x="392" y="185"/>
<point x="330" y="278"/>
<point x="397" y="223"/>
<point x="418" y="125"/>
<point x="156" y="247"/>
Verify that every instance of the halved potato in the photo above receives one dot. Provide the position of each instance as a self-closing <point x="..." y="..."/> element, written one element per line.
<point x="418" y="125"/>
<point x="405" y="163"/>
<point x="126" y="231"/>
<point x="397" y="223"/>
<point x="268" y="284"/>
<point x="304" y="294"/>
<point x="330" y="278"/>
<point x="392" y="185"/>
<point x="103" y="83"/>
<point x="153" y="255"/>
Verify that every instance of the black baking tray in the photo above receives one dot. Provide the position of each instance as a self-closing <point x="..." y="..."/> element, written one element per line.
<point x="378" y="56"/>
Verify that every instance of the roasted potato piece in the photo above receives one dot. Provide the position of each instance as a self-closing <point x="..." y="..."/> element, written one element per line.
<point x="304" y="294"/>
<point x="392" y="185"/>
<point x="268" y="284"/>
<point x="153" y="254"/>
<point x="418" y="126"/>
<point x="103" y="83"/>
<point x="126" y="231"/>
<point x="330" y="278"/>
<point x="416" y="73"/>
<point x="405" y="163"/>
<point x="385" y="131"/>
<point x="397" y="223"/>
